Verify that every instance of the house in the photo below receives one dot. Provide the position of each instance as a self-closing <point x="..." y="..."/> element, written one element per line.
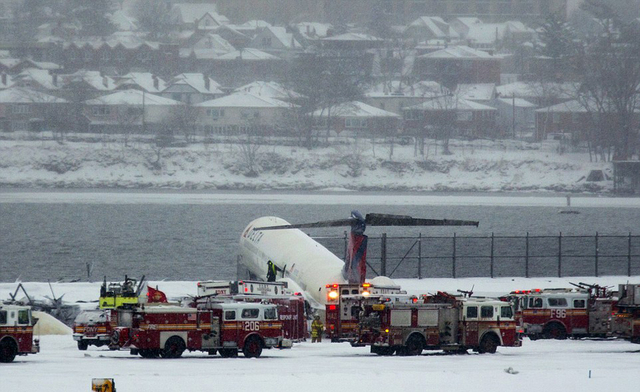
<point x="123" y="22"/>
<point x="356" y="119"/>
<point x="276" y="41"/>
<point x="394" y="96"/>
<point x="243" y="112"/>
<point x="426" y="28"/>
<point x="542" y="94"/>
<point x="451" y="115"/>
<point x="516" y="117"/>
<point x="37" y="79"/>
<point x="192" y="88"/>
<point x="30" y="64"/>
<point x="186" y="16"/>
<point x="352" y="42"/>
<point x="491" y="36"/>
<point x="570" y="117"/>
<point x="25" y="109"/>
<point x="129" y="111"/>
<point x="144" y="81"/>
<point x="312" y="31"/>
<point x="246" y="65"/>
<point x="458" y="64"/>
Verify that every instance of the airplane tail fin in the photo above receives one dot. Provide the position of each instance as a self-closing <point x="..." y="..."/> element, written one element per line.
<point x="355" y="266"/>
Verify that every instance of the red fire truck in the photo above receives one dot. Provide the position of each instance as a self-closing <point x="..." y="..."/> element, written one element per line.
<point x="625" y="322"/>
<point x="583" y="311"/>
<point x="291" y="307"/>
<point x="227" y="328"/>
<point x="344" y="305"/>
<point x="92" y="327"/>
<point x="440" y="322"/>
<point x="16" y="332"/>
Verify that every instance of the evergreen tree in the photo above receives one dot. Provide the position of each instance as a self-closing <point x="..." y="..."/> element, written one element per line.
<point x="93" y="16"/>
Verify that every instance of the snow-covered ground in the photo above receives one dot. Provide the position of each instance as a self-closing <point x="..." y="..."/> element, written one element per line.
<point x="580" y="365"/>
<point x="474" y="166"/>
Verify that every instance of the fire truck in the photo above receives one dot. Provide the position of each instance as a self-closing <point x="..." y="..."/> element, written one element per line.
<point x="92" y="327"/>
<point x="438" y="322"/>
<point x="291" y="306"/>
<point x="344" y="305"/>
<point x="558" y="313"/>
<point x="223" y="327"/>
<point x="625" y="321"/>
<point x="16" y="332"/>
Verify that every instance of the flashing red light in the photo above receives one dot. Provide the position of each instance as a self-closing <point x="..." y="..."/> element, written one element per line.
<point x="335" y="285"/>
<point x="246" y="289"/>
<point x="366" y="285"/>
<point x="537" y="290"/>
<point x="199" y="284"/>
<point x="332" y="307"/>
<point x="297" y="293"/>
<point x="332" y="327"/>
<point x="328" y="286"/>
<point x="414" y="300"/>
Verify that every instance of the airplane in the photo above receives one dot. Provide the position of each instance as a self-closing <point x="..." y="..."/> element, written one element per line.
<point x="305" y="264"/>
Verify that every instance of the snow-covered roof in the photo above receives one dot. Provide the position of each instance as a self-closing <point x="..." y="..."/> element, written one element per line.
<point x="197" y="82"/>
<point x="132" y="97"/>
<point x="268" y="89"/>
<point x="248" y="54"/>
<point x="25" y="95"/>
<point x="286" y="39"/>
<point x="352" y="37"/>
<point x="517" y="102"/>
<point x="538" y="90"/>
<point x="92" y="78"/>
<point x="145" y="80"/>
<point x="251" y="25"/>
<point x="354" y="109"/>
<point x="126" y="39"/>
<point x="450" y="103"/>
<point x="215" y="42"/>
<point x="245" y="100"/>
<point x="458" y="52"/>
<point x="476" y="92"/>
<point x="438" y="27"/>
<point x="123" y="22"/>
<point x="38" y="76"/>
<point x="574" y="106"/>
<point x="9" y="62"/>
<point x="42" y="64"/>
<point x="314" y="30"/>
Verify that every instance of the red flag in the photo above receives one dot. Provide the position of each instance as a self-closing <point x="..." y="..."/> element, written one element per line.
<point x="155" y="295"/>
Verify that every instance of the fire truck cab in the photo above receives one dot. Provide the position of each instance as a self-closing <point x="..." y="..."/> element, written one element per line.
<point x="92" y="327"/>
<point x="16" y="332"/>
<point x="227" y="328"/>
<point x="562" y="313"/>
<point x="344" y="306"/>
<point x="450" y="324"/>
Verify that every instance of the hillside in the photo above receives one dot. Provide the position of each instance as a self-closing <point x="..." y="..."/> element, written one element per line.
<point x="473" y="166"/>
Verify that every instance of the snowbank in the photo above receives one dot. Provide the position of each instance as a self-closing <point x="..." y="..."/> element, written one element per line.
<point x="49" y="325"/>
<point x="474" y="166"/>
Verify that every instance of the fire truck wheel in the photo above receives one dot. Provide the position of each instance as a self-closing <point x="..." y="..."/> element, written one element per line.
<point x="252" y="347"/>
<point x="228" y="352"/>
<point x="385" y="351"/>
<point x="555" y="331"/>
<point x="148" y="353"/>
<point x="82" y="345"/>
<point x="173" y="348"/>
<point x="414" y="346"/>
<point x="489" y="344"/>
<point x="8" y="351"/>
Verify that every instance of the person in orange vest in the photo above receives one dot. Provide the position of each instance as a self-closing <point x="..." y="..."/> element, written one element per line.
<point x="317" y="328"/>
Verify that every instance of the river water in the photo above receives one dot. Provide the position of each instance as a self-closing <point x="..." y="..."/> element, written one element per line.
<point x="194" y="236"/>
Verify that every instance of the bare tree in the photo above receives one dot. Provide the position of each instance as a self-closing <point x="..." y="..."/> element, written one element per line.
<point x="183" y="119"/>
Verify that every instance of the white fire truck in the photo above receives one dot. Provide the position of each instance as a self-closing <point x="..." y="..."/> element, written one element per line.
<point x="16" y="332"/>
<point x="344" y="305"/>
<point x="625" y="322"/>
<point x="559" y="313"/>
<point x="92" y="327"/>
<point x="227" y="328"/>
<point x="291" y="306"/>
<point x="439" y="322"/>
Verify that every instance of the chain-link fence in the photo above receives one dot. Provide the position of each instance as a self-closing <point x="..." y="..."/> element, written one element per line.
<point x="497" y="256"/>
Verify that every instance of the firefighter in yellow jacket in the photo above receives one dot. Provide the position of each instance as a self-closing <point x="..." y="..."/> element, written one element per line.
<point x="317" y="328"/>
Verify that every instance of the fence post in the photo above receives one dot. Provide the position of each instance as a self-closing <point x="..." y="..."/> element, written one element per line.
<point x="526" y="257"/>
<point x="420" y="256"/>
<point x="560" y="255"/>
<point x="383" y="254"/>
<point x="492" y="240"/>
<point x="629" y="257"/>
<point x="453" y="264"/>
<point x="596" y="254"/>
